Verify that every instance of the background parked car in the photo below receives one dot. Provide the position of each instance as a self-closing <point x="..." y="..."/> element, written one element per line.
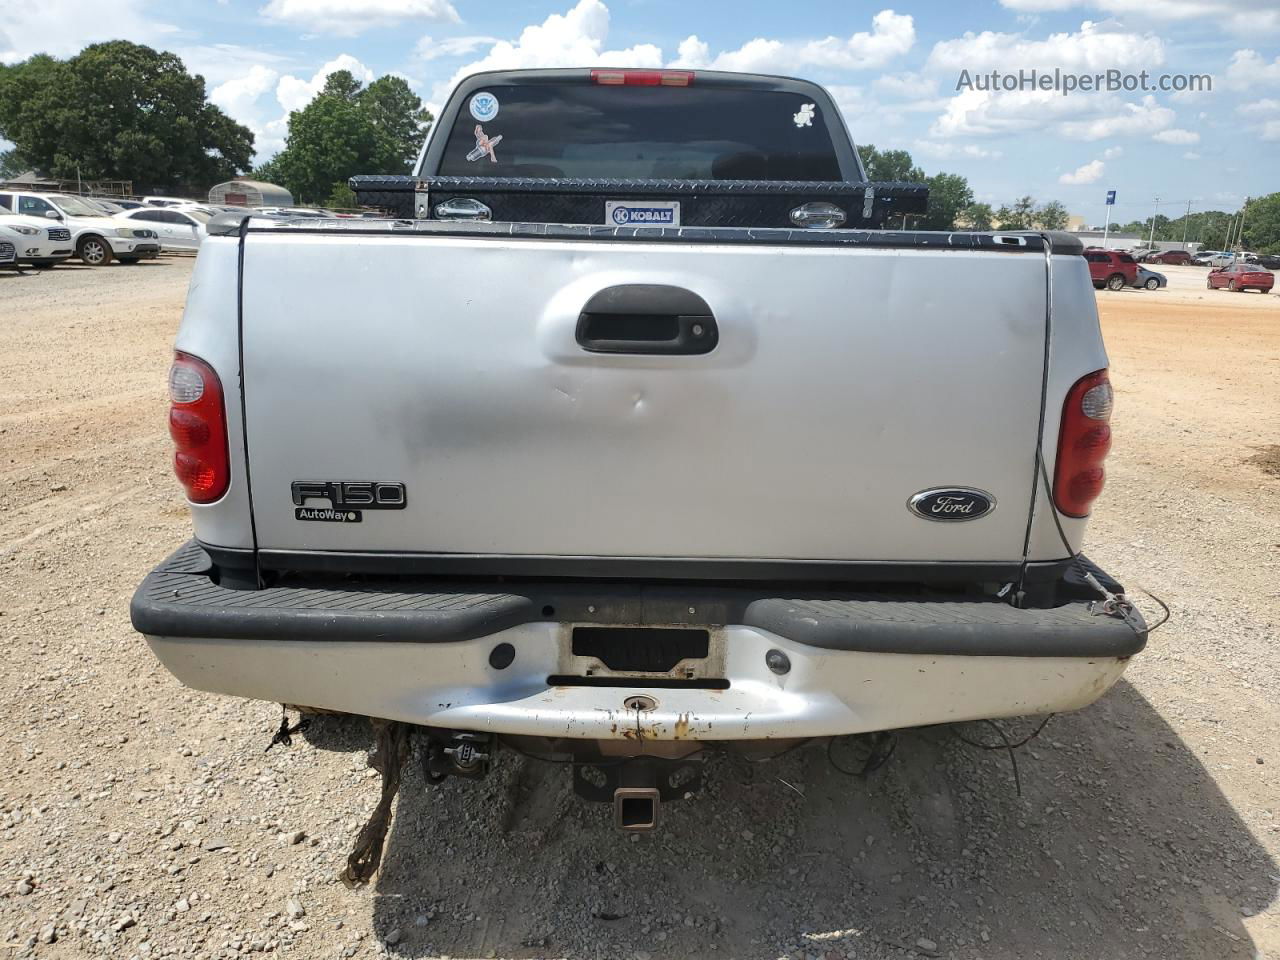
<point x="97" y="238"/>
<point x="1202" y="258"/>
<point x="1169" y="256"/>
<point x="1241" y="277"/>
<point x="38" y="241"/>
<point x="179" y="228"/>
<point x="1112" y="269"/>
<point x="108" y="207"/>
<point x="1269" y="260"/>
<point x="1149" y="279"/>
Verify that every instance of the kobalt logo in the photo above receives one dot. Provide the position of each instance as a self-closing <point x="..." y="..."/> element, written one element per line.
<point x="625" y="215"/>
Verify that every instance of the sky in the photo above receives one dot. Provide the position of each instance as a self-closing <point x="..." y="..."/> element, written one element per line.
<point x="897" y="70"/>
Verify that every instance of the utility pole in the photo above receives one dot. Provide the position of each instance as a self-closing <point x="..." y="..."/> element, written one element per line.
<point x="1186" y="220"/>
<point x="1240" y="228"/>
<point x="1154" y="210"/>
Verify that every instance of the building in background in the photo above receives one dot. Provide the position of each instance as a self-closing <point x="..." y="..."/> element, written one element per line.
<point x="250" y="193"/>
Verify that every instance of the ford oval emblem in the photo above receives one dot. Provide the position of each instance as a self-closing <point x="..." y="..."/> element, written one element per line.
<point x="952" y="503"/>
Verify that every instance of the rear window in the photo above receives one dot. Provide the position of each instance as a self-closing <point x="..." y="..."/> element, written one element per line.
<point x="579" y="129"/>
<point x="1125" y="258"/>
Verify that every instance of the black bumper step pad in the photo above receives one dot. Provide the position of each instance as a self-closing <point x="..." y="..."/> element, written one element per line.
<point x="182" y="598"/>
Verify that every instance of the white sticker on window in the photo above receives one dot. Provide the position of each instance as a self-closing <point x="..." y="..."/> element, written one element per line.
<point x="484" y="106"/>
<point x="805" y="117"/>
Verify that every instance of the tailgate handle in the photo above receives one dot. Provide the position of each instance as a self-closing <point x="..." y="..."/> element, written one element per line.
<point x="647" y="318"/>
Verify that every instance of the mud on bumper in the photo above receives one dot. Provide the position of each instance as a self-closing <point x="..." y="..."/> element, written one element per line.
<point x="565" y="660"/>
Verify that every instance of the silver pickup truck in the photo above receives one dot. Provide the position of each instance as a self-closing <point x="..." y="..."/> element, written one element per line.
<point x="634" y="432"/>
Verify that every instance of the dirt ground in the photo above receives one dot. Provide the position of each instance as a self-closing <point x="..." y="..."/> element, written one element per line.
<point x="140" y="819"/>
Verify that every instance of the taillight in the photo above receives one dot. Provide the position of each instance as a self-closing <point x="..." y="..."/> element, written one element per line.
<point x="1083" y="444"/>
<point x="198" y="425"/>
<point x="642" y="78"/>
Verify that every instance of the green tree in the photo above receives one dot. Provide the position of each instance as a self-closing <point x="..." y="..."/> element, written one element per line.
<point x="341" y="197"/>
<point x="119" y="110"/>
<point x="1051" y="216"/>
<point x="1261" y="231"/>
<point x="976" y="216"/>
<point x="348" y="130"/>
<point x="400" y="120"/>
<point x="889" y="165"/>
<point x="1018" y="216"/>
<point x="949" y="196"/>
<point x="341" y="84"/>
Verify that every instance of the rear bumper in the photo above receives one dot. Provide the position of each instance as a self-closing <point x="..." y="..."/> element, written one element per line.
<point x="131" y="247"/>
<point x="855" y="663"/>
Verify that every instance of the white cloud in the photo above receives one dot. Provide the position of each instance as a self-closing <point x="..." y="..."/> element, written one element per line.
<point x="429" y="49"/>
<point x="859" y="109"/>
<point x="1112" y="152"/>
<point x="1038" y="6"/>
<point x="349" y="18"/>
<point x="573" y="39"/>
<point x="220" y="62"/>
<point x="293" y="93"/>
<point x="980" y="113"/>
<point x="1094" y="47"/>
<point x="1088" y="173"/>
<point x="907" y="85"/>
<point x="64" y="27"/>
<point x="1249" y="19"/>
<point x="1249" y="70"/>
<point x="1259" y="106"/>
<point x="1270" y="130"/>
<point x="692" y="53"/>
<point x="1132" y="119"/>
<point x="891" y="35"/>
<point x="942" y="151"/>
<point x="1191" y="155"/>
<point x="1182" y="137"/>
<point x="238" y="97"/>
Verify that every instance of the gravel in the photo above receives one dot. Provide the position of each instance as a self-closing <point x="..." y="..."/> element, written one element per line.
<point x="139" y="819"/>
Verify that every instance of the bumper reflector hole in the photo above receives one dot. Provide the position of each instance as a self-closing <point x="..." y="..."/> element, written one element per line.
<point x="548" y="611"/>
<point x="501" y="656"/>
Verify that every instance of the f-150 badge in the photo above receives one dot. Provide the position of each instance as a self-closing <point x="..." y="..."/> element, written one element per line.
<point x="347" y="499"/>
<point x="952" y="504"/>
<point x="484" y="146"/>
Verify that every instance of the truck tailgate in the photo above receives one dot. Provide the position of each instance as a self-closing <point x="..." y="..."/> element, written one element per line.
<point x="846" y="378"/>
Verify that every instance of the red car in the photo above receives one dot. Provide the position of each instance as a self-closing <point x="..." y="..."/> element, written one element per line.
<point x="1111" y="268"/>
<point x="1170" y="256"/>
<point x="1241" y="276"/>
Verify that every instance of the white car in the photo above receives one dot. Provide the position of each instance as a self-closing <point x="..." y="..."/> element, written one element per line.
<point x="179" y="228"/>
<point x="36" y="240"/>
<point x="96" y="239"/>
